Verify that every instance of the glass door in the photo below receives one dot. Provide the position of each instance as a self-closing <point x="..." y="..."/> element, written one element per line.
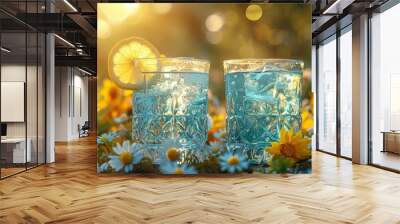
<point x="326" y="77"/>
<point x="32" y="98"/>
<point x="14" y="155"/>
<point x="22" y="78"/>
<point x="385" y="89"/>
<point x="346" y="93"/>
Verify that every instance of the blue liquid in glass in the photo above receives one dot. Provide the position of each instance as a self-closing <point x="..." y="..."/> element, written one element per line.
<point x="259" y="104"/>
<point x="171" y="107"/>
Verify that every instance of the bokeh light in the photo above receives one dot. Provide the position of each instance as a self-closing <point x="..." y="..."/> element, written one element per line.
<point x="215" y="32"/>
<point x="254" y="12"/>
<point x="214" y="22"/>
<point x="211" y="31"/>
<point x="117" y="13"/>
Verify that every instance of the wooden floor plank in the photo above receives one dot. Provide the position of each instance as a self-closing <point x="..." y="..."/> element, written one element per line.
<point x="70" y="191"/>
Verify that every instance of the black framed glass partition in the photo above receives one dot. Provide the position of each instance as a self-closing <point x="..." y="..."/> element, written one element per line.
<point x="345" y="93"/>
<point x="326" y="95"/>
<point x="385" y="89"/>
<point x="381" y="68"/>
<point x="22" y="78"/>
<point x="334" y="94"/>
<point x="14" y="153"/>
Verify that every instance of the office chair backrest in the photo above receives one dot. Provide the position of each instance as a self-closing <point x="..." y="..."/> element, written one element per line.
<point x="86" y="125"/>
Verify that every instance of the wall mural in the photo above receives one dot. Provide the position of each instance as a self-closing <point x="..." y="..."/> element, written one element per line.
<point x="204" y="88"/>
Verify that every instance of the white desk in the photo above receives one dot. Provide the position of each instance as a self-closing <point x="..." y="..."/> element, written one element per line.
<point x="19" y="149"/>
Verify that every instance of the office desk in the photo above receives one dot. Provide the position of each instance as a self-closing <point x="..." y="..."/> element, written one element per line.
<point x="391" y="141"/>
<point x="16" y="148"/>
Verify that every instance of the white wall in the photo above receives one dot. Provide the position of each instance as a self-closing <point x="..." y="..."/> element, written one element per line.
<point x="12" y="73"/>
<point x="16" y="73"/>
<point x="61" y="103"/>
<point x="71" y="94"/>
<point x="80" y="110"/>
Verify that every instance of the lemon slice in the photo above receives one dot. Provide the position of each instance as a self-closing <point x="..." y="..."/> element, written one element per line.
<point x="123" y="68"/>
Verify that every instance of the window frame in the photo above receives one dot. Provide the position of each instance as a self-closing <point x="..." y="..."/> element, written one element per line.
<point x="334" y="37"/>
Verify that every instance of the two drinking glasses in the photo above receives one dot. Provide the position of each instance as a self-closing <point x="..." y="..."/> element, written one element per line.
<point x="262" y="96"/>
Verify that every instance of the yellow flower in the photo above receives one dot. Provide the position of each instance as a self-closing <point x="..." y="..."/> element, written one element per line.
<point x="109" y="91"/>
<point x="307" y="120"/>
<point x="115" y="100"/>
<point x="312" y="103"/>
<point x="218" y="121"/>
<point x="291" y="145"/>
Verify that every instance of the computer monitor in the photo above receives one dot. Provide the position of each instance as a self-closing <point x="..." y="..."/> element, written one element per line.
<point x="3" y="130"/>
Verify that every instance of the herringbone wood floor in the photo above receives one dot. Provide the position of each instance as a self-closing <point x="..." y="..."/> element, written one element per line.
<point x="70" y="191"/>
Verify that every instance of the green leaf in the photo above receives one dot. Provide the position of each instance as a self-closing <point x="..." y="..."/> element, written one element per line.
<point x="280" y="164"/>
